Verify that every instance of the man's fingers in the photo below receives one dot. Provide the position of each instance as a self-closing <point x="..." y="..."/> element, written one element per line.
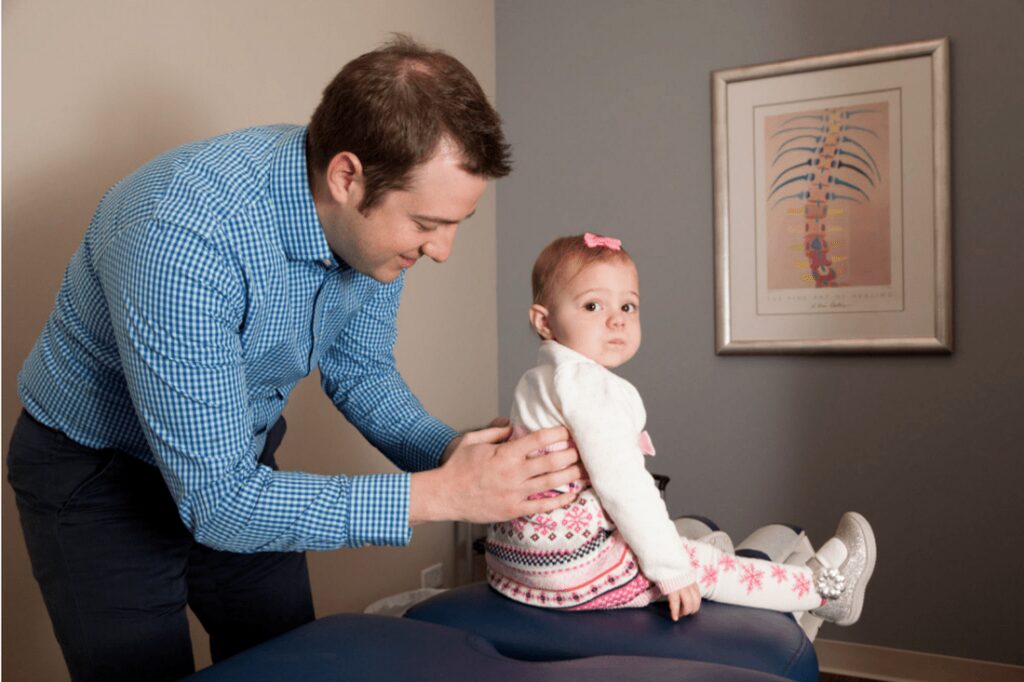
<point x="538" y="440"/>
<point x="553" y="461"/>
<point x="547" y="504"/>
<point x="492" y="434"/>
<point x="555" y="479"/>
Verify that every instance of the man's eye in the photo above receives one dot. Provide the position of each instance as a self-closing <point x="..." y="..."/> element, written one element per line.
<point x="592" y="307"/>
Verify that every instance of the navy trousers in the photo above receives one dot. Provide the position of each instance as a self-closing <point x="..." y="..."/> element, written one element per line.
<point x="117" y="566"/>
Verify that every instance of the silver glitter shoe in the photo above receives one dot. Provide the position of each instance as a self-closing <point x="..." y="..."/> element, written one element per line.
<point x="842" y="568"/>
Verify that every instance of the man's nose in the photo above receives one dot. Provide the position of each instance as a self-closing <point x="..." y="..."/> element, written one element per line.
<point x="439" y="246"/>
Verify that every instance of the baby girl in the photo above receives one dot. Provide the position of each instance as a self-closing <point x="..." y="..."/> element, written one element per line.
<point x="615" y="545"/>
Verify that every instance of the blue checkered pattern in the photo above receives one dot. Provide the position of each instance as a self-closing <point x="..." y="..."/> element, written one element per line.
<point x="203" y="291"/>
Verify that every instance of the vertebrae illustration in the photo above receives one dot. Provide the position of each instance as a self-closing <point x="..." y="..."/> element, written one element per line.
<point x="833" y="166"/>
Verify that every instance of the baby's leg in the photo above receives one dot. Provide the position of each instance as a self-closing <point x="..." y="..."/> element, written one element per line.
<point x="751" y="582"/>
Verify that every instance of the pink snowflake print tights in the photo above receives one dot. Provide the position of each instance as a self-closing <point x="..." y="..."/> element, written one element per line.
<point x="751" y="582"/>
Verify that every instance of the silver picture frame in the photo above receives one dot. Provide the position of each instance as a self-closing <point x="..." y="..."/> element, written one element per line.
<point x="855" y="146"/>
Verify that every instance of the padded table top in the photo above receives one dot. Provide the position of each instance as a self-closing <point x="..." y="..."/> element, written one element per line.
<point x="354" y="647"/>
<point x="748" y="638"/>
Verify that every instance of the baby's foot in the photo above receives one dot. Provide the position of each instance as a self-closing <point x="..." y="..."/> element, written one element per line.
<point x="842" y="568"/>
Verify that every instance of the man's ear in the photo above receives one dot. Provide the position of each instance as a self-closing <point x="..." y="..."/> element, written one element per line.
<point x="539" y="320"/>
<point x="344" y="178"/>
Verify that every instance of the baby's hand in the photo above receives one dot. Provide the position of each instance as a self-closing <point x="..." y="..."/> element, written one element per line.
<point x="684" y="602"/>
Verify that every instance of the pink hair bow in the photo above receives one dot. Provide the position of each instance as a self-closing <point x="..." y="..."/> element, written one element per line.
<point x="594" y="241"/>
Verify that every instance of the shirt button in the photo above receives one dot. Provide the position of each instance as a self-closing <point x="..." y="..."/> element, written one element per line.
<point x="326" y="262"/>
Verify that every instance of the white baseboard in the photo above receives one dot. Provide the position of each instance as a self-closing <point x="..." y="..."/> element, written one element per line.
<point x="900" y="665"/>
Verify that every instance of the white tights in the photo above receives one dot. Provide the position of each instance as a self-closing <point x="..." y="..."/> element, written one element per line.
<point x="751" y="582"/>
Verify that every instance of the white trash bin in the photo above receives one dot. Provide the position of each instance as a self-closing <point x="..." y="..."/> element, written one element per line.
<point x="397" y="604"/>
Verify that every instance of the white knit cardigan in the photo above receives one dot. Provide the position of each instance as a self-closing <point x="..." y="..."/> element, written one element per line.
<point x="606" y="418"/>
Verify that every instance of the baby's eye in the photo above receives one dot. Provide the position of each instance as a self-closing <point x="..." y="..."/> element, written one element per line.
<point x="592" y="307"/>
<point x="629" y="307"/>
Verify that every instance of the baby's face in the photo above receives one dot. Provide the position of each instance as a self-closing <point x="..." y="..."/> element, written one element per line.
<point x="597" y="313"/>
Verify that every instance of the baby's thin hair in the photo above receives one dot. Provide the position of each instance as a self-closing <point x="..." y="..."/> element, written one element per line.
<point x="563" y="259"/>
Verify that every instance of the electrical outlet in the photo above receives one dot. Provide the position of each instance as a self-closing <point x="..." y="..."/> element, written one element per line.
<point x="432" y="576"/>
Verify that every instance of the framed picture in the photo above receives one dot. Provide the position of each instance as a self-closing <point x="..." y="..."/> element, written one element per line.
<point x="831" y="203"/>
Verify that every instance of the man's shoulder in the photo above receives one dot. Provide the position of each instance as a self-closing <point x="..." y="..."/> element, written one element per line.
<point x="209" y="181"/>
<point x="212" y="188"/>
<point x="231" y="168"/>
<point x="230" y="151"/>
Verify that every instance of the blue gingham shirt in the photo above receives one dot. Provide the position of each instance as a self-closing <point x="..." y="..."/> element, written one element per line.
<point x="203" y="291"/>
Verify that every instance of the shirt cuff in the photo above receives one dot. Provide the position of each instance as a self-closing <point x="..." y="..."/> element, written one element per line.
<point x="677" y="583"/>
<point x="379" y="510"/>
<point x="425" y="443"/>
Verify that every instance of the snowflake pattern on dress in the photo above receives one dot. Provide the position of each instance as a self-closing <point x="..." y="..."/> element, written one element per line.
<point x="780" y="575"/>
<point x="727" y="563"/>
<point x="751" y="577"/>
<point x="577" y="519"/>
<point x="543" y="524"/>
<point x="614" y="583"/>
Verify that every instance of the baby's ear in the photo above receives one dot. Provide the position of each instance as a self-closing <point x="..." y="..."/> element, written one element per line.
<point x="539" y="320"/>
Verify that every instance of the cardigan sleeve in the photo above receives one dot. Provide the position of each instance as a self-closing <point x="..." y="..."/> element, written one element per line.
<point x="606" y="415"/>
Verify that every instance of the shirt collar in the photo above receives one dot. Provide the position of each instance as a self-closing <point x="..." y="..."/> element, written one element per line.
<point x="302" y="235"/>
<point x="553" y="353"/>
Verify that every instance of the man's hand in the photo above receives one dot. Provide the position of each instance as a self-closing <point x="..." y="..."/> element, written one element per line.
<point x="684" y="602"/>
<point x="496" y="422"/>
<point x="485" y="479"/>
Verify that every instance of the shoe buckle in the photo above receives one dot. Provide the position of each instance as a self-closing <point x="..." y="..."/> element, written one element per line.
<point x="830" y="583"/>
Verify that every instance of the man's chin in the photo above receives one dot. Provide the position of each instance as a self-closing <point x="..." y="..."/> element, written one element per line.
<point x="385" y="275"/>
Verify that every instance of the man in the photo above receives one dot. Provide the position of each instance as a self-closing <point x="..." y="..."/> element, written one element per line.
<point x="209" y="282"/>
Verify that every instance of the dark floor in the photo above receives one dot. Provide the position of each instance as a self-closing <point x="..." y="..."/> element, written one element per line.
<point x="829" y="677"/>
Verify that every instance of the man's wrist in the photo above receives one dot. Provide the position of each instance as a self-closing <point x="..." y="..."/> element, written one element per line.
<point x="450" y="448"/>
<point x="426" y="497"/>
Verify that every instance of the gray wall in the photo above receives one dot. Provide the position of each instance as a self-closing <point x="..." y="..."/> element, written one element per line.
<point x="608" y="108"/>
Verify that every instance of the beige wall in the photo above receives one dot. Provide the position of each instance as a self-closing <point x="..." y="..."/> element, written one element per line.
<point x="92" y="90"/>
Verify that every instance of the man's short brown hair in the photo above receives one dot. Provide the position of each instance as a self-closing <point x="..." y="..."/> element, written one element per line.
<point x="393" y="106"/>
<point x="563" y="259"/>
